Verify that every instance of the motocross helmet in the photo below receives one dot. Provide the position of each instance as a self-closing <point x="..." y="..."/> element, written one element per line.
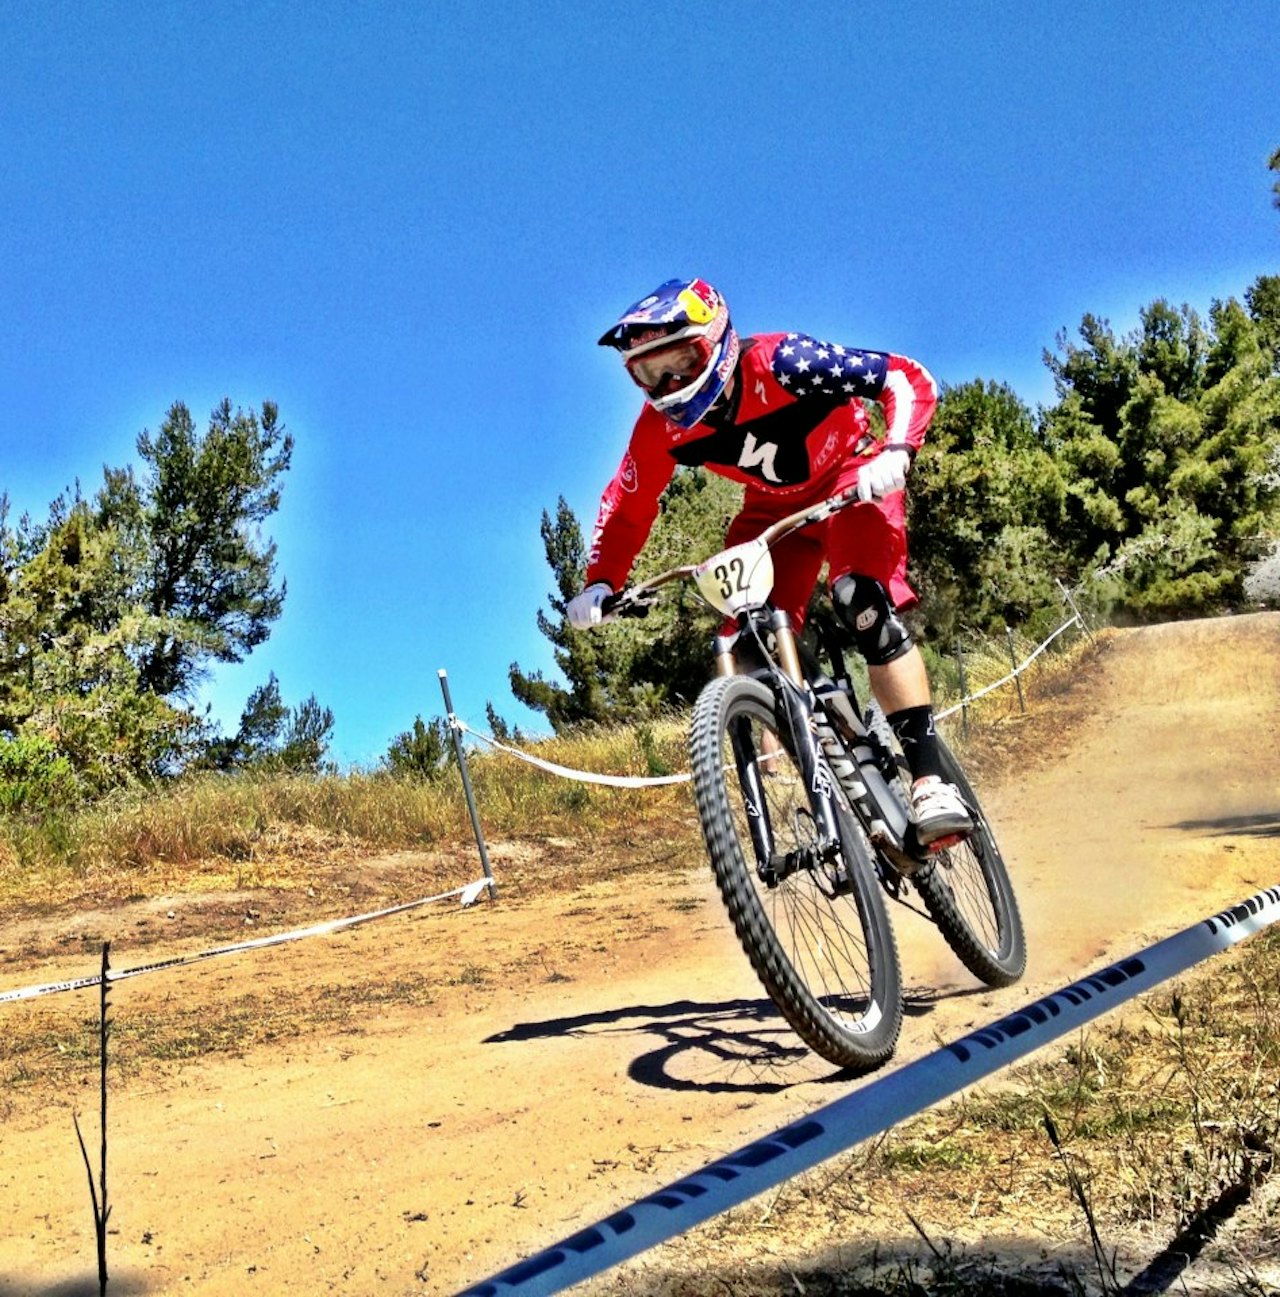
<point x="678" y="346"/>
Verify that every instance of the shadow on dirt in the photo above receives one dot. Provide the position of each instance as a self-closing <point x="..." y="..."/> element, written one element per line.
<point x="1259" y="824"/>
<point x="734" y="1045"/>
<point x="999" y="1267"/>
<point x="1200" y="1229"/>
<point x="741" y="1046"/>
<point x="121" y="1285"/>
<point x="904" y="1268"/>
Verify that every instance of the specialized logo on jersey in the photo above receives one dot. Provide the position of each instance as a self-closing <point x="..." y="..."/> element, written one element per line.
<point x="759" y="456"/>
<point x="806" y="367"/>
<point x="628" y="476"/>
<point x="771" y="448"/>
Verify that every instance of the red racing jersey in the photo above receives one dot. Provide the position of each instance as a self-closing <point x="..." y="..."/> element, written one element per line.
<point x="794" y="419"/>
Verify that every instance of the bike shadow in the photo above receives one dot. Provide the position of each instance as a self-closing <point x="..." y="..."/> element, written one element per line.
<point x="741" y="1046"/>
<point x="1258" y="824"/>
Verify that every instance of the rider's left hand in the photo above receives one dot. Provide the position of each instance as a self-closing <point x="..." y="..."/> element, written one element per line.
<point x="884" y="474"/>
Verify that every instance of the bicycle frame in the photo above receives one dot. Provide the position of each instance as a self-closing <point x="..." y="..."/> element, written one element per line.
<point x="795" y="709"/>
<point x="825" y="735"/>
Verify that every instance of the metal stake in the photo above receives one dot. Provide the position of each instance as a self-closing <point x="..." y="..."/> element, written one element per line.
<point x="466" y="783"/>
<point x="1071" y="603"/>
<point x="964" y="692"/>
<point x="1017" y="679"/>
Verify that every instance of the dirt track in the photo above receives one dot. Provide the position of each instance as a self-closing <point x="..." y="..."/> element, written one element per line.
<point x="596" y="1043"/>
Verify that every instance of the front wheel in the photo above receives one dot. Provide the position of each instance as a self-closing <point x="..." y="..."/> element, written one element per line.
<point x="967" y="891"/>
<point x="812" y="923"/>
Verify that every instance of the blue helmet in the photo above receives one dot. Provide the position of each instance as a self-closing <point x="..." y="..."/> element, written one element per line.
<point x="679" y="346"/>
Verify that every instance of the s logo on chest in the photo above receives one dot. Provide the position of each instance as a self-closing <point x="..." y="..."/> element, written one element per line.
<point x="760" y="457"/>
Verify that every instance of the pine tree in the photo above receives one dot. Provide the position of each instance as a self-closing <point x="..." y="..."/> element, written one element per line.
<point x="112" y="609"/>
<point x="1168" y="440"/>
<point x="191" y="530"/>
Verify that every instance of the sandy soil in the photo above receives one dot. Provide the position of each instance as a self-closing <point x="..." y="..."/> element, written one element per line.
<point x="591" y="1044"/>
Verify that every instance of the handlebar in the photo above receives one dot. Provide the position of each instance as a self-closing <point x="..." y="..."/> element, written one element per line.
<point x="636" y="600"/>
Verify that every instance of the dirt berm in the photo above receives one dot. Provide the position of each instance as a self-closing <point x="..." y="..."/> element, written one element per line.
<point x="505" y="1074"/>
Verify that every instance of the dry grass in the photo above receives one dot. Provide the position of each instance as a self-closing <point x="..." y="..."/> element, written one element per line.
<point x="211" y="831"/>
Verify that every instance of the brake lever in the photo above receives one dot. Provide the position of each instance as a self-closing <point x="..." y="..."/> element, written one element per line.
<point x="629" y="603"/>
<point x="833" y="506"/>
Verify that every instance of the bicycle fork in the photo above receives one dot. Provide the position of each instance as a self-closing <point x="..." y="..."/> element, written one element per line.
<point x="772" y="864"/>
<point x="797" y="717"/>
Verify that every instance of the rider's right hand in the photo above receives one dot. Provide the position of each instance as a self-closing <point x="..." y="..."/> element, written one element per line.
<point x="885" y="474"/>
<point x="583" y="609"/>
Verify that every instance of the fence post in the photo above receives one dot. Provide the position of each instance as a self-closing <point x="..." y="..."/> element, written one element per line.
<point x="1013" y="661"/>
<point x="466" y="783"/>
<point x="964" y="692"/>
<point x="1071" y="603"/>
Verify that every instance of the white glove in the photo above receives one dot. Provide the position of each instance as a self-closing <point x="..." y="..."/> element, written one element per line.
<point x="884" y="474"/>
<point x="583" y="609"/>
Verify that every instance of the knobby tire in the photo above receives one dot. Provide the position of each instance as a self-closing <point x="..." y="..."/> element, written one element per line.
<point x="828" y="961"/>
<point x="968" y="894"/>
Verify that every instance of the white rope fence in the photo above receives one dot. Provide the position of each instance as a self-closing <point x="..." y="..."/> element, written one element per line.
<point x="468" y="896"/>
<point x="654" y="781"/>
<point x="1075" y="620"/>
<point x="582" y="776"/>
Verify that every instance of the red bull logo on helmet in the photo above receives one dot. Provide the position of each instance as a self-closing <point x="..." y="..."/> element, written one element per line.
<point x="699" y="301"/>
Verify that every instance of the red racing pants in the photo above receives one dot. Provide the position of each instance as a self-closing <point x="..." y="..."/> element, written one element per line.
<point x="868" y="539"/>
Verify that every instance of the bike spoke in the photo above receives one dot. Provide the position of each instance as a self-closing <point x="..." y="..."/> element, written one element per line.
<point x="806" y="905"/>
<point x="821" y="934"/>
<point x="968" y="893"/>
<point x="838" y="950"/>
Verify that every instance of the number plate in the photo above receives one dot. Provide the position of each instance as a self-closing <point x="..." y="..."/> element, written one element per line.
<point x="736" y="578"/>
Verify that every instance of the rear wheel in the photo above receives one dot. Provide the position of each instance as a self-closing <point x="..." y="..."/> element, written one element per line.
<point x="967" y="891"/>
<point x="815" y="929"/>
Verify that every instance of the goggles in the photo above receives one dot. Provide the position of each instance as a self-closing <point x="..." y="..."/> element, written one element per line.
<point x="669" y="365"/>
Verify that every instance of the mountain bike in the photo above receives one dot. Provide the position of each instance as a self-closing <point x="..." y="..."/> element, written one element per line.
<point x="804" y="801"/>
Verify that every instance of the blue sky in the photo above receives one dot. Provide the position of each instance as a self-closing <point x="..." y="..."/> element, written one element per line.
<point x="408" y="223"/>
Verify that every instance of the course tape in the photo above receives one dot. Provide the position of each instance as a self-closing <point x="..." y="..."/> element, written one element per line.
<point x="654" y="781"/>
<point x="468" y="895"/>
<point x="582" y="776"/>
<point x="1016" y="672"/>
<point x="873" y="1108"/>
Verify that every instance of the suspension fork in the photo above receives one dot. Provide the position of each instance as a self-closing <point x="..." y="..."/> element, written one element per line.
<point x="792" y="695"/>
<point x="747" y="760"/>
<point x="791" y="703"/>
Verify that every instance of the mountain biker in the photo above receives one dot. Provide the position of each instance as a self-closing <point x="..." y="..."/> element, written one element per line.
<point x="783" y="414"/>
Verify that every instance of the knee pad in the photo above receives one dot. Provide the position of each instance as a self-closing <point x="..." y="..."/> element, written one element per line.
<point x="863" y="605"/>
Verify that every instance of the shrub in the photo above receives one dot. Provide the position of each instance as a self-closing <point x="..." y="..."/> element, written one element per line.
<point x="34" y="776"/>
